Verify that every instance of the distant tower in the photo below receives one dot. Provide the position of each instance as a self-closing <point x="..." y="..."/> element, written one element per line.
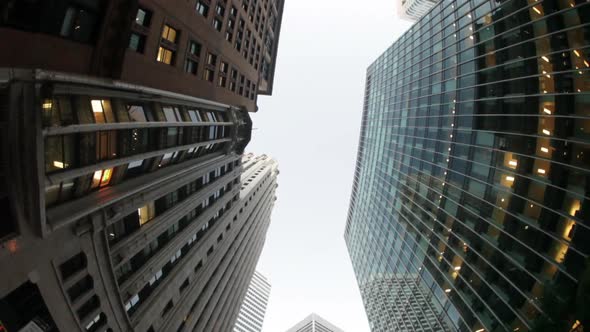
<point x="253" y="308"/>
<point x="314" y="323"/>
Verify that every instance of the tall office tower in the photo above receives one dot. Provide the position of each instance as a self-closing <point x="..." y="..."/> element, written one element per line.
<point x="253" y="308"/>
<point x="472" y="179"/>
<point x="125" y="207"/>
<point x="414" y="9"/>
<point x="314" y="323"/>
<point x="122" y="125"/>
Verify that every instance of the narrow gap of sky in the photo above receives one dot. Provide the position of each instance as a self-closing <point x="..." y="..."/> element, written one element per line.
<point x="311" y="127"/>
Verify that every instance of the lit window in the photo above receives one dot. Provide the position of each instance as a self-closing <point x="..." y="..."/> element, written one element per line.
<point x="47" y="105"/>
<point x="544" y="150"/>
<point x="101" y="178"/>
<point x="102" y="111"/>
<point x="146" y="213"/>
<point x="546" y="132"/>
<point x="165" y="55"/>
<point x="510" y="178"/>
<point x="513" y="163"/>
<point x="169" y="34"/>
<point x="541" y="171"/>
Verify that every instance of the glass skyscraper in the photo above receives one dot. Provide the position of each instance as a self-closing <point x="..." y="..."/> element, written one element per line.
<point x="470" y="207"/>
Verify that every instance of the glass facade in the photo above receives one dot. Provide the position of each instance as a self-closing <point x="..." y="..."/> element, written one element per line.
<point x="470" y="205"/>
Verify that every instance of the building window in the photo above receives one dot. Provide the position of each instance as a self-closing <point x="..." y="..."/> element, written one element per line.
<point x="103" y="113"/>
<point x="211" y="59"/>
<point x="146" y="213"/>
<point x="217" y="24"/>
<point x="80" y="288"/>
<point x="143" y="17"/>
<point x="191" y="66"/>
<point x="167" y="308"/>
<point x="137" y="42"/>
<point x="73" y="265"/>
<point x="101" y="178"/>
<point x="78" y="24"/>
<point x="194" y="48"/>
<point x="202" y="8"/>
<point x="223" y="69"/>
<point x="219" y="9"/>
<point x="169" y="34"/>
<point x="192" y="62"/>
<point x="222" y="81"/>
<point x="208" y="75"/>
<point x="165" y="55"/>
<point x="211" y="63"/>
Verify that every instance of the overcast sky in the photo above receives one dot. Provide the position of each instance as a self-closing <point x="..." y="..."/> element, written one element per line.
<point x="311" y="126"/>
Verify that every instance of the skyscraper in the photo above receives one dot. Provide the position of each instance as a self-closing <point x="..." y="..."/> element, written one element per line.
<point x="314" y="323"/>
<point x="125" y="202"/>
<point x="469" y="208"/>
<point x="253" y="308"/>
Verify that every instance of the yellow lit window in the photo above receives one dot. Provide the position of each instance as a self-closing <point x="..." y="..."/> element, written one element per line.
<point x="102" y="111"/>
<point x="47" y="105"/>
<point x="146" y="213"/>
<point x="544" y="150"/>
<point x="165" y="55"/>
<point x="169" y="34"/>
<point x="101" y="178"/>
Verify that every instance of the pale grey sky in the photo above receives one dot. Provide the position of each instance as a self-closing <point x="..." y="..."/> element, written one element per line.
<point x="311" y="126"/>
